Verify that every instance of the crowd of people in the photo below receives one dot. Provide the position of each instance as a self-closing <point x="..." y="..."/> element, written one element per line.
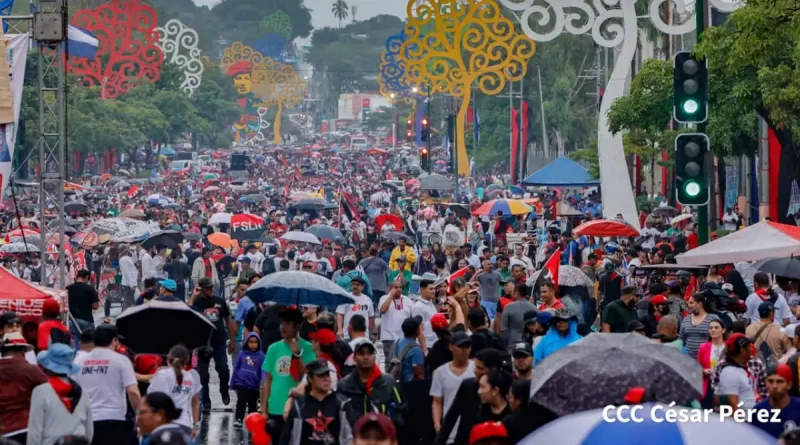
<point x="439" y="344"/>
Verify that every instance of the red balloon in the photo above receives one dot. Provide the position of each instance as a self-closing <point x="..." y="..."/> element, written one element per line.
<point x="261" y="438"/>
<point x="255" y="422"/>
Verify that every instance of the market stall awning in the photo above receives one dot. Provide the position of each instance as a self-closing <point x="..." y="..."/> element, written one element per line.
<point x="561" y="172"/>
<point x="760" y="241"/>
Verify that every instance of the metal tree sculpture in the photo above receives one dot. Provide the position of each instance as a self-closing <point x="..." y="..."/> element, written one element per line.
<point x="179" y="44"/>
<point x="451" y="44"/>
<point x="392" y="78"/>
<point x="612" y="23"/>
<point x="128" y="49"/>
<point x="242" y="63"/>
<point x="277" y="30"/>
<point x="279" y="85"/>
<point x="6" y="6"/>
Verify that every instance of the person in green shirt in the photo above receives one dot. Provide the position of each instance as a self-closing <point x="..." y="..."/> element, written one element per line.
<point x="284" y="366"/>
<point x="502" y="267"/>
<point x="401" y="274"/>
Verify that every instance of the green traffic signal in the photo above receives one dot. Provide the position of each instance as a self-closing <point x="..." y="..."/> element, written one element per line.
<point x="690" y="88"/>
<point x="691" y="181"/>
<point x="691" y="106"/>
<point x="691" y="188"/>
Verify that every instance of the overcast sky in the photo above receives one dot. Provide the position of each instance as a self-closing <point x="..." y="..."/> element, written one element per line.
<point x="321" y="9"/>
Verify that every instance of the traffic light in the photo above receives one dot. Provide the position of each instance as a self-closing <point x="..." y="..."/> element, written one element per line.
<point x="426" y="128"/>
<point x="690" y="82"/>
<point x="365" y="114"/>
<point x="690" y="168"/>
<point x="409" y="130"/>
<point x="424" y="159"/>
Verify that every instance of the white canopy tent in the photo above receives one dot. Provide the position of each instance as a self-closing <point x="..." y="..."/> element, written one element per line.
<point x="764" y="240"/>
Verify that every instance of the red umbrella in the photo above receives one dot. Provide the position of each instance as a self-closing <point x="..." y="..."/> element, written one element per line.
<point x="377" y="151"/>
<point x="396" y="221"/>
<point x="606" y="227"/>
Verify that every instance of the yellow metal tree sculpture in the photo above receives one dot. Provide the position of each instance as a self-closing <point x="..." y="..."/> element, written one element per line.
<point x="279" y="85"/>
<point x="452" y="44"/>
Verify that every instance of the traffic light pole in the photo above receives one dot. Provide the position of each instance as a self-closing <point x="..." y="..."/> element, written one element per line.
<point x="428" y="139"/>
<point x="702" y="211"/>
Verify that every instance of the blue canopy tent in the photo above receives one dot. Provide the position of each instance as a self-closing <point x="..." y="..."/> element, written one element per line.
<point x="561" y="172"/>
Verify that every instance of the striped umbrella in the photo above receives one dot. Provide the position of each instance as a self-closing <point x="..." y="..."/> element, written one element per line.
<point x="507" y="206"/>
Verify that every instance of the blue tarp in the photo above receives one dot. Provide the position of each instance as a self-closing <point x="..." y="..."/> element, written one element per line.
<point x="561" y="172"/>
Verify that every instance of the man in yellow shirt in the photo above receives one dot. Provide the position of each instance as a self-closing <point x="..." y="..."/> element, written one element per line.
<point x="402" y="250"/>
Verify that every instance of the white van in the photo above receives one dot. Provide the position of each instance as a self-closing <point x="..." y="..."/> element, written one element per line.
<point x="358" y="143"/>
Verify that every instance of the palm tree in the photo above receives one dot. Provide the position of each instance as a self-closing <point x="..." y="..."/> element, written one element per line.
<point x="353" y="11"/>
<point x="340" y="10"/>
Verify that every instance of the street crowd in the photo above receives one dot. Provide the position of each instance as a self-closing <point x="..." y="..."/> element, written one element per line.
<point x="440" y="340"/>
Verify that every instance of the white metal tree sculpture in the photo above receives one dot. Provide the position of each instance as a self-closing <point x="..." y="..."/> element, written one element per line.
<point x="612" y="23"/>
<point x="179" y="44"/>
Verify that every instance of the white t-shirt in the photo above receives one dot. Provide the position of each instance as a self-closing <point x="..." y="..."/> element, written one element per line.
<point x="729" y="221"/>
<point x="362" y="306"/>
<point x="164" y="381"/>
<point x="80" y="355"/>
<point x="392" y="319"/>
<point x="781" y="309"/>
<point x="445" y="385"/>
<point x="734" y="381"/>
<point x="105" y="375"/>
<point x="426" y="309"/>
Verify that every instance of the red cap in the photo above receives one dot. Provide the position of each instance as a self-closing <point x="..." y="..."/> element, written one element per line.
<point x="783" y="370"/>
<point x="659" y="299"/>
<point x="383" y="422"/>
<point x="737" y="342"/>
<point x="51" y="307"/>
<point x="199" y="246"/>
<point x="439" y="322"/>
<point x="487" y="430"/>
<point x="323" y="336"/>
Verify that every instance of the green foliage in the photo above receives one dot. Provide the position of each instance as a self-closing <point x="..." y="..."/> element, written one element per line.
<point x="340" y="10"/>
<point x="589" y="156"/>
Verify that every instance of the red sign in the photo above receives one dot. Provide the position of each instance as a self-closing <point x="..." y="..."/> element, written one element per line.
<point x="365" y="102"/>
<point x="247" y="227"/>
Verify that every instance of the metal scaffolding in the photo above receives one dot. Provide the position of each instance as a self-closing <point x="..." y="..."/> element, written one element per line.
<point x="48" y="27"/>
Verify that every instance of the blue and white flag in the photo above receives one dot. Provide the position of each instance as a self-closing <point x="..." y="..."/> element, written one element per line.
<point x="81" y="43"/>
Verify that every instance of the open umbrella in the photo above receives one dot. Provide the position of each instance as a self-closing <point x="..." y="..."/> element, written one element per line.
<point x="122" y="185"/>
<point x="75" y="206"/>
<point x="95" y="196"/>
<point x="18" y="248"/>
<point x="220" y="218"/>
<point x="783" y="267"/>
<point x="211" y="189"/>
<point x="166" y="238"/>
<point x="254" y="198"/>
<point x="388" y="218"/>
<point x="300" y="289"/>
<point x="223" y="240"/>
<point x="121" y="230"/>
<point x="192" y="236"/>
<point x="323" y="231"/>
<point x="507" y="206"/>
<point x="132" y="213"/>
<point x="600" y="369"/>
<point x="681" y="218"/>
<point x="435" y="182"/>
<point x="309" y="204"/>
<point x="86" y="240"/>
<point x="167" y="324"/>
<point x="394" y="236"/>
<point x="665" y="211"/>
<point x="210" y="176"/>
<point x="123" y="172"/>
<point x="606" y="227"/>
<point x="604" y="427"/>
<point x="300" y="237"/>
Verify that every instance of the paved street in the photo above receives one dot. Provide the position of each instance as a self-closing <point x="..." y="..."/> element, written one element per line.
<point x="217" y="428"/>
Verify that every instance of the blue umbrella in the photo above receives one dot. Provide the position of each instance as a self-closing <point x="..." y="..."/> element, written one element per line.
<point x="336" y="150"/>
<point x="300" y="289"/>
<point x="597" y="428"/>
<point x="167" y="151"/>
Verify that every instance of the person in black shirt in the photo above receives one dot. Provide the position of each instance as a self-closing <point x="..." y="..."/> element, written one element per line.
<point x="482" y="337"/>
<point x="619" y="313"/>
<point x="526" y="416"/>
<point x="150" y="291"/>
<point x="493" y="389"/>
<point x="82" y="297"/>
<point x="215" y="309"/>
<point x="179" y="272"/>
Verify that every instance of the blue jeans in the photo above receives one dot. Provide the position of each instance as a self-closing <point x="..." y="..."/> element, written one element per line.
<point x="491" y="308"/>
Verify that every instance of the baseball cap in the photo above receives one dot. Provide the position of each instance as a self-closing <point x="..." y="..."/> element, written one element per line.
<point x="634" y="326"/>
<point x="323" y="336"/>
<point x="727" y="287"/>
<point x="205" y="282"/>
<point x="765" y="308"/>
<point x="521" y="350"/>
<point x="789" y="330"/>
<point x="362" y="342"/>
<point x="782" y="370"/>
<point x="318" y="367"/>
<point x="658" y="300"/>
<point x="439" y="322"/>
<point x="460" y="339"/>
<point x="737" y="342"/>
<point x="487" y="430"/>
<point x="358" y="278"/>
<point x="51" y="307"/>
<point x="245" y="259"/>
<point x="411" y="323"/>
<point x="170" y="285"/>
<point x="530" y="316"/>
<point x="8" y="318"/>
<point x="375" y="420"/>
<point x="439" y="281"/>
<point x="544" y="317"/>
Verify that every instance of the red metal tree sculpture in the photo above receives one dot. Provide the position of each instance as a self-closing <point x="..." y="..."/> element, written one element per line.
<point x="128" y="46"/>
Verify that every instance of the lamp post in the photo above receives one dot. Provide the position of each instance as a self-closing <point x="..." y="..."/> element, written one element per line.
<point x="394" y="121"/>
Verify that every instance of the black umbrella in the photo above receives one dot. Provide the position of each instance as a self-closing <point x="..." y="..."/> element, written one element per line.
<point x="157" y="326"/>
<point x="394" y="236"/>
<point x="323" y="231"/>
<point x="95" y="195"/>
<point x="165" y="238"/>
<point x="192" y="236"/>
<point x="309" y="204"/>
<point x="75" y="206"/>
<point x="782" y="267"/>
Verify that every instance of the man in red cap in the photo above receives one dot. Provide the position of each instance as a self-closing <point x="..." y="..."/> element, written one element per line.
<point x="779" y="380"/>
<point x="488" y="433"/>
<point x="51" y="329"/>
<point x="374" y="429"/>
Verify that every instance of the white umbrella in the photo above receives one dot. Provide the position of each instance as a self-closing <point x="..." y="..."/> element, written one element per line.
<point x="681" y="218"/>
<point x="18" y="248"/>
<point x="301" y="237"/>
<point x="123" y="230"/>
<point x="212" y="188"/>
<point x="220" y="218"/>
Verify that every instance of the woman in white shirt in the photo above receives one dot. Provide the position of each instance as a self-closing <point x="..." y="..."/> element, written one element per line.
<point x="181" y="385"/>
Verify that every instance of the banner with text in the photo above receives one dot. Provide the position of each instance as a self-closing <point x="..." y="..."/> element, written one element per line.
<point x="245" y="226"/>
<point x="16" y="52"/>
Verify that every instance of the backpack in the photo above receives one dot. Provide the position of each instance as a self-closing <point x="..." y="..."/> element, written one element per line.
<point x="36" y="274"/>
<point x="268" y="266"/>
<point x="395" y="368"/>
<point x="764" y="352"/>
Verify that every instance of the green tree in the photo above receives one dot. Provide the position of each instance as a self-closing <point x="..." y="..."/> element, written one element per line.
<point x="340" y="11"/>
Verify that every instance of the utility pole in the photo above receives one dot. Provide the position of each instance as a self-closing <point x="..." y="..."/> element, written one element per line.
<point x="702" y="211"/>
<point x="545" y="142"/>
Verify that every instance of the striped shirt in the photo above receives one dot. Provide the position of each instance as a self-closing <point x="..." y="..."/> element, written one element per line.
<point x="694" y="335"/>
